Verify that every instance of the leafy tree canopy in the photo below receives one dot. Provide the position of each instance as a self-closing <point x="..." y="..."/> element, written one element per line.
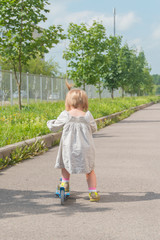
<point x="19" y="19"/>
<point x="85" y="53"/>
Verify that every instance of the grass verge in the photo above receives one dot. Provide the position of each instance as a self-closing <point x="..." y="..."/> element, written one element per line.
<point x="37" y="116"/>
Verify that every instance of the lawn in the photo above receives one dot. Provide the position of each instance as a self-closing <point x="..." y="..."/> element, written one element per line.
<point x="16" y="125"/>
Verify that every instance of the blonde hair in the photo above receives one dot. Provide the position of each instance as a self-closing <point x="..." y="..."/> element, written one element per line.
<point x="76" y="98"/>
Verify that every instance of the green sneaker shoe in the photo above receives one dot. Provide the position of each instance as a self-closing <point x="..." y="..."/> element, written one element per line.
<point x="94" y="197"/>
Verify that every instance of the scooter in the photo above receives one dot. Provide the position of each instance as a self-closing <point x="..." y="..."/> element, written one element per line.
<point x="62" y="194"/>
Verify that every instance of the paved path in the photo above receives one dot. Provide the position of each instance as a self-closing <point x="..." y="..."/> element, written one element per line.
<point x="128" y="172"/>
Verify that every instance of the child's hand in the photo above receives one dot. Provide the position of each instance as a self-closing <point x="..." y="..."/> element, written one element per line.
<point x="50" y="124"/>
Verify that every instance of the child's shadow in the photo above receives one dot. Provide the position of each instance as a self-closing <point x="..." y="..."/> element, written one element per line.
<point x="109" y="197"/>
<point x="128" y="196"/>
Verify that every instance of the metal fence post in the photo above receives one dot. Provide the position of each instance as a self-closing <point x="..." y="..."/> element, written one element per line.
<point x="11" y="88"/>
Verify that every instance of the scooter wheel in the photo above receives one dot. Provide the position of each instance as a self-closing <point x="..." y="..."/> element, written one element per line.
<point x="67" y="196"/>
<point x="62" y="197"/>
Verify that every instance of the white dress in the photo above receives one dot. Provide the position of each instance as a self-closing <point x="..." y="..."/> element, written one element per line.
<point x="76" y="151"/>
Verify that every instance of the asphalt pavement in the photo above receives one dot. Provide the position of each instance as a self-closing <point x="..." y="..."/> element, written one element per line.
<point x="128" y="176"/>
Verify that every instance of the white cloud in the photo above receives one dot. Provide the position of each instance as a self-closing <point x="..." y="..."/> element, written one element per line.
<point x="156" y="33"/>
<point x="124" y="22"/>
<point x="60" y="14"/>
<point x="79" y="17"/>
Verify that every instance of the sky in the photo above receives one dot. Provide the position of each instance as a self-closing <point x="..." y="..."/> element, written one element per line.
<point x="138" y="22"/>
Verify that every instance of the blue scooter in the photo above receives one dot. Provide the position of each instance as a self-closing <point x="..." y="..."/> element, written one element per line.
<point x="62" y="194"/>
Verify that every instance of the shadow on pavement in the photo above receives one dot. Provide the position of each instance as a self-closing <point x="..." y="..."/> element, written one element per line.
<point x="17" y="203"/>
<point x="128" y="196"/>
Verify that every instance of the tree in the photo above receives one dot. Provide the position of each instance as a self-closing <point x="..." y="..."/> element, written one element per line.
<point x="19" y="19"/>
<point x="141" y="63"/>
<point x="131" y="86"/>
<point x="113" y="71"/>
<point x="140" y="80"/>
<point x="124" y="62"/>
<point x="144" y="77"/>
<point x="75" y="54"/>
<point x="98" y="50"/>
<point x="85" y="53"/>
<point x="147" y="85"/>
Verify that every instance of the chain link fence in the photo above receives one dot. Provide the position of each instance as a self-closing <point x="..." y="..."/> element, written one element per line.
<point x="38" y="88"/>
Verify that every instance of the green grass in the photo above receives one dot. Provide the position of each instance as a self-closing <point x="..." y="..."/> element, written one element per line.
<point x="30" y="122"/>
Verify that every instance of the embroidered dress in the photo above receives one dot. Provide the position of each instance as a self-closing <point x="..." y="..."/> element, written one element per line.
<point x="76" y="151"/>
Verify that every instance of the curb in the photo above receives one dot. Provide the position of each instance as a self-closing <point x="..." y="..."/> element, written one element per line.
<point x="50" y="139"/>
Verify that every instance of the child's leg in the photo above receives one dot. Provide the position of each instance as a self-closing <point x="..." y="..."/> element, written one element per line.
<point x="91" y="180"/>
<point x="65" y="179"/>
<point x="65" y="174"/>
<point x="92" y="183"/>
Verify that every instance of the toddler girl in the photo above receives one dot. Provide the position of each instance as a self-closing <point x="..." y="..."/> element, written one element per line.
<point x="76" y="151"/>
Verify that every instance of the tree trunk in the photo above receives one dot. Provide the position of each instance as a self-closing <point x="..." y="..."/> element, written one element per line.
<point x="99" y="90"/>
<point x="84" y="85"/>
<point x="19" y="96"/>
<point x="112" y="93"/>
<point x="18" y="86"/>
<point x="100" y="97"/>
<point x="122" y="93"/>
<point x="19" y="83"/>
